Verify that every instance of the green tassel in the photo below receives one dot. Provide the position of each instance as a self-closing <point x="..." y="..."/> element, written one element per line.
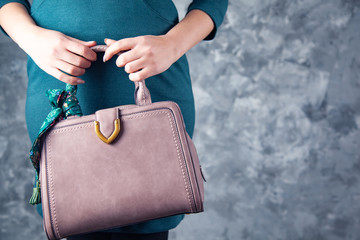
<point x="36" y="196"/>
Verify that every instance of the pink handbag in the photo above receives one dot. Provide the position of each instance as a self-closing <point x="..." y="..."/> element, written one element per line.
<point x="128" y="164"/>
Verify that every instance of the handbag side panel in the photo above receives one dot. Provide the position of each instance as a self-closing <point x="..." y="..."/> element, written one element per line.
<point x="192" y="160"/>
<point x="44" y="197"/>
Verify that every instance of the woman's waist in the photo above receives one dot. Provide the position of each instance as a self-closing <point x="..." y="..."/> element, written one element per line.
<point x="95" y="20"/>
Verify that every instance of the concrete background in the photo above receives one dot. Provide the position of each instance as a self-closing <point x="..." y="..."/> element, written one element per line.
<point x="277" y="126"/>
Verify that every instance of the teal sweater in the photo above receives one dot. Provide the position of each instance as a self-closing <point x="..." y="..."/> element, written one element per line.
<point x="107" y="85"/>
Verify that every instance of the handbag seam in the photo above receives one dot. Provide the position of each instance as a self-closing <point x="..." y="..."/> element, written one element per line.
<point x="48" y="192"/>
<point x="90" y="123"/>
<point x="121" y="116"/>
<point x="143" y="94"/>
<point x="54" y="220"/>
<point x="144" y="114"/>
<point x="192" y="162"/>
<point x="179" y="157"/>
<point x="60" y="130"/>
<point x="195" y="175"/>
<point x="187" y="168"/>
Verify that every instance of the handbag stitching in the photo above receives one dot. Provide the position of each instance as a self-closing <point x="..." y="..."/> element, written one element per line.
<point x="181" y="166"/>
<point x="74" y="124"/>
<point x="48" y="193"/>
<point x="124" y="107"/>
<point x="195" y="176"/>
<point x="142" y="115"/>
<point x="54" y="221"/>
<point x="192" y="163"/>
<point x="63" y="129"/>
<point x="190" y="196"/>
<point x="143" y="93"/>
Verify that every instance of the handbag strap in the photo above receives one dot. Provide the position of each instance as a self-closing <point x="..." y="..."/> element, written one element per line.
<point x="142" y="94"/>
<point x="65" y="104"/>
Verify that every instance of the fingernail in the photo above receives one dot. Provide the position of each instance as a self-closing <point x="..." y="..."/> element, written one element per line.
<point x="80" y="81"/>
<point x="104" y="58"/>
<point x="131" y="77"/>
<point x="105" y="40"/>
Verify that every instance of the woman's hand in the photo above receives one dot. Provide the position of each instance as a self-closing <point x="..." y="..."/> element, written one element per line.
<point x="143" y="56"/>
<point x="53" y="51"/>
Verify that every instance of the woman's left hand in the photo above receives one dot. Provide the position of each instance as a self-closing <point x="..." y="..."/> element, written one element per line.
<point x="143" y="56"/>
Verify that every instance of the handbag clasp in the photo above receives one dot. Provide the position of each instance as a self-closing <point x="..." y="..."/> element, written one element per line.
<point x="114" y="134"/>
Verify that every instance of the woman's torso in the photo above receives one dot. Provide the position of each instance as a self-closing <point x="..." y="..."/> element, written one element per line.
<point x="106" y="84"/>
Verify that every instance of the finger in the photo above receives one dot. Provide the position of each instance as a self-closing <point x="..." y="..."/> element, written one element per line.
<point x="118" y="46"/>
<point x="128" y="57"/>
<point x="81" y="50"/>
<point x="87" y="43"/>
<point x="140" y="75"/>
<point x="74" y="59"/>
<point x="69" y="68"/>
<point x="135" y="66"/>
<point x="56" y="73"/>
<point x="90" y="44"/>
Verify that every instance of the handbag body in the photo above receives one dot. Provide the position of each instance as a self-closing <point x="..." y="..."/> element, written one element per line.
<point x="119" y="166"/>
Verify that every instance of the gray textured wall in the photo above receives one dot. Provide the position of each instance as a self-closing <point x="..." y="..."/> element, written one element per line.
<point x="277" y="126"/>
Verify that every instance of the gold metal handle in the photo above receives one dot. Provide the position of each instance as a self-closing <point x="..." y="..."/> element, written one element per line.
<point x="113" y="135"/>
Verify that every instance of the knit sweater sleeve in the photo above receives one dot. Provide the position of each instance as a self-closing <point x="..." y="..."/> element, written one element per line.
<point x="24" y="2"/>
<point x="214" y="8"/>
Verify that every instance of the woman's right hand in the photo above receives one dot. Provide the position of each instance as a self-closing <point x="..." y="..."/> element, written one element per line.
<point x="55" y="52"/>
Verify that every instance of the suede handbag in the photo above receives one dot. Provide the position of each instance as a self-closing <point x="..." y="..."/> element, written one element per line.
<point x="119" y="166"/>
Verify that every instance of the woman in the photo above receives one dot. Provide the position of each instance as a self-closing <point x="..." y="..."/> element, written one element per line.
<point x="57" y="37"/>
